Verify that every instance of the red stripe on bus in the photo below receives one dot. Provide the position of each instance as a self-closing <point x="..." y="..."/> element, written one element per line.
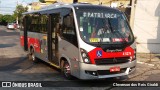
<point x="127" y="52"/>
<point x="32" y="42"/>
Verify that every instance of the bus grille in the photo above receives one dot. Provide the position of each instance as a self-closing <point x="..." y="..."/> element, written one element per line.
<point x="107" y="72"/>
<point x="107" y="61"/>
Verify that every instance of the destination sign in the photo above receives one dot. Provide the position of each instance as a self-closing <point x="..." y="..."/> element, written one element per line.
<point x="99" y="15"/>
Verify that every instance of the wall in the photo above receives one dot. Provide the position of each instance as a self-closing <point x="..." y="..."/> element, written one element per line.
<point x="147" y="26"/>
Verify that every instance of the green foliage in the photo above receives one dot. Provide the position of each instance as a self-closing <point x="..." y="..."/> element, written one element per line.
<point x="1" y="16"/>
<point x="19" y="10"/>
<point x="12" y="18"/>
<point x="7" y="18"/>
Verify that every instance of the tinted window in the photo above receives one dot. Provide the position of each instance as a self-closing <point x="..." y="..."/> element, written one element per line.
<point x="68" y="28"/>
<point x="36" y="23"/>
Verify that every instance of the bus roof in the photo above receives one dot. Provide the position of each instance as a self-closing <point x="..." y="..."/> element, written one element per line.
<point x="74" y="5"/>
<point x="90" y="6"/>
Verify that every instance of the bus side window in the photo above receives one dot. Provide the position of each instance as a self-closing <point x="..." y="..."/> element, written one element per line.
<point x="43" y="24"/>
<point x="68" y="29"/>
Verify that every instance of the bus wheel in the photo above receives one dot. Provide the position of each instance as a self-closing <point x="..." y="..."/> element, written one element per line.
<point x="66" y="71"/>
<point x="32" y="56"/>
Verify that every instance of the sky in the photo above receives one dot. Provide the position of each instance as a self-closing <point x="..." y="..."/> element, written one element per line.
<point x="8" y="6"/>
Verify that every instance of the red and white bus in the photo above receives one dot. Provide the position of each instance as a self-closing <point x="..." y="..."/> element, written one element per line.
<point x="83" y="40"/>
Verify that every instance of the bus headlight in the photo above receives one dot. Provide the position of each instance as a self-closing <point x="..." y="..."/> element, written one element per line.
<point x="86" y="60"/>
<point x="85" y="56"/>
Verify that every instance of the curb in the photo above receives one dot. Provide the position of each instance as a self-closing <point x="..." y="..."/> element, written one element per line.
<point x="146" y="63"/>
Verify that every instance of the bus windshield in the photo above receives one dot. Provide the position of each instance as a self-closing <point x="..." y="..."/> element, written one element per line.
<point x="103" y="26"/>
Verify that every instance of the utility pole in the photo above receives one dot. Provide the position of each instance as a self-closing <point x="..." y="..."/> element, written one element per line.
<point x="132" y="13"/>
<point x="100" y="3"/>
<point x="0" y="5"/>
<point x="75" y="1"/>
<point x="17" y="16"/>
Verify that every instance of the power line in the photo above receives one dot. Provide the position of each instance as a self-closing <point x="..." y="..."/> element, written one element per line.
<point x="5" y="11"/>
<point x="23" y="1"/>
<point x="7" y="7"/>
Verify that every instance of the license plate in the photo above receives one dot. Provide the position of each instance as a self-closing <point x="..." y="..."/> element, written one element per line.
<point x="114" y="69"/>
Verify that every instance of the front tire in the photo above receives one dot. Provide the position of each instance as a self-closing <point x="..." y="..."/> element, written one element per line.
<point x="66" y="70"/>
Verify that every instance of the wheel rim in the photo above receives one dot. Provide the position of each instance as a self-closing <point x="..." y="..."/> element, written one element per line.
<point x="33" y="57"/>
<point x="67" y="70"/>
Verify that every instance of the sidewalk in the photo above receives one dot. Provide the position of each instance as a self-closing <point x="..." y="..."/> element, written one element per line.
<point x="150" y="59"/>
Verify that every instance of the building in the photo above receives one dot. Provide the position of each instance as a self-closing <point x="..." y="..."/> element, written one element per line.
<point x="34" y="6"/>
<point x="147" y="26"/>
<point x="39" y="5"/>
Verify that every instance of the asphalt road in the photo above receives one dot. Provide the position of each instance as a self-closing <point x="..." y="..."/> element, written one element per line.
<point x="15" y="66"/>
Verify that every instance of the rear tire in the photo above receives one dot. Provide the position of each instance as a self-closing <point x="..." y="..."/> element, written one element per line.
<point x="32" y="56"/>
<point x="65" y="69"/>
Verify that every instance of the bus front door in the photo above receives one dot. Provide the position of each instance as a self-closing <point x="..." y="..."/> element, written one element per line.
<point x="52" y="38"/>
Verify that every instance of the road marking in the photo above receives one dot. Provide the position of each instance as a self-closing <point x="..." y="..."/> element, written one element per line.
<point x="146" y="63"/>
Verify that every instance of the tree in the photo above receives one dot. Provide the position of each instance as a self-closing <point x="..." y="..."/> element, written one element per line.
<point x="4" y="19"/>
<point x="19" y="10"/>
<point x="43" y="1"/>
<point x="1" y="17"/>
<point x="8" y="18"/>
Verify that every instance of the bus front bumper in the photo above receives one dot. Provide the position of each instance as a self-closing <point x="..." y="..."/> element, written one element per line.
<point x="91" y="71"/>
